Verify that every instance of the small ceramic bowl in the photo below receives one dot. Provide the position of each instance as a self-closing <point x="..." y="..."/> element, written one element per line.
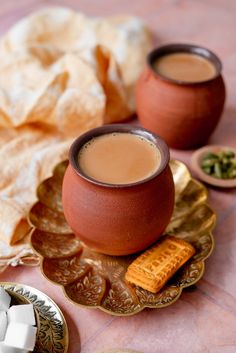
<point x="118" y="219"/>
<point x="196" y="166"/>
<point x="184" y="114"/>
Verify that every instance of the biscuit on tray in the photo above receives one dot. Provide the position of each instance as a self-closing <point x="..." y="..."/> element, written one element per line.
<point x="152" y="269"/>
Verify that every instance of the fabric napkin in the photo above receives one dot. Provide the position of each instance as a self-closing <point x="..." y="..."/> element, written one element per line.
<point x="61" y="73"/>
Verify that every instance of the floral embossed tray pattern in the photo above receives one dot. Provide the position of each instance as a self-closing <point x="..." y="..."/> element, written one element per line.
<point x="94" y="280"/>
<point x="52" y="334"/>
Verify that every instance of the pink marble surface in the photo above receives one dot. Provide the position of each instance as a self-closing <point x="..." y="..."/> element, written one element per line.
<point x="204" y="319"/>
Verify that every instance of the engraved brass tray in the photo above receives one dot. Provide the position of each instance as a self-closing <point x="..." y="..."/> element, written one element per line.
<point x="94" y="280"/>
<point x="52" y="331"/>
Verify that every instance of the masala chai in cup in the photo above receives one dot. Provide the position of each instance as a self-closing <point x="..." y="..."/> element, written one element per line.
<point x="118" y="190"/>
<point x="185" y="67"/>
<point x="181" y="93"/>
<point x="119" y="158"/>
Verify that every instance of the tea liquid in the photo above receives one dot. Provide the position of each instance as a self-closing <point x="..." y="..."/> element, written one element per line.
<point x="119" y="158"/>
<point x="185" y="67"/>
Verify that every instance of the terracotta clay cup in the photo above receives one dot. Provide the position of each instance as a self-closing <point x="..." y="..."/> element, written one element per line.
<point x="184" y="114"/>
<point x="118" y="219"/>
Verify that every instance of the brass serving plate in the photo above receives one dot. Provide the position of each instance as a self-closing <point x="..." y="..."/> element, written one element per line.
<point x="52" y="334"/>
<point x="94" y="280"/>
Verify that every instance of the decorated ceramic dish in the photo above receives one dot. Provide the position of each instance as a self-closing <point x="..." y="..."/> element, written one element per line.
<point x="94" y="280"/>
<point x="197" y="158"/>
<point x="52" y="334"/>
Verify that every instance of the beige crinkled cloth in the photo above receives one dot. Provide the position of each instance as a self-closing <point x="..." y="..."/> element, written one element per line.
<point x="61" y="73"/>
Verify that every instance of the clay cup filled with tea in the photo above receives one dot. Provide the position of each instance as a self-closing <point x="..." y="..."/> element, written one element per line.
<point x="180" y="94"/>
<point x="118" y="190"/>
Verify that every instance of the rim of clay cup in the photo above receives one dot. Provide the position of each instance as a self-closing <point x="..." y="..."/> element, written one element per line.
<point x="184" y="48"/>
<point x="118" y="128"/>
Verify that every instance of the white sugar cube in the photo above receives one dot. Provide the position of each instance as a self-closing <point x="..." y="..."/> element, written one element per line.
<point x="22" y="313"/>
<point x="21" y="336"/>
<point x="5" y="300"/>
<point x="7" y="349"/>
<point x="3" y="325"/>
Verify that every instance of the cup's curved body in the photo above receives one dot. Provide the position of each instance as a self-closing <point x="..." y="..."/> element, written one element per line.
<point x="184" y="114"/>
<point x="117" y="219"/>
